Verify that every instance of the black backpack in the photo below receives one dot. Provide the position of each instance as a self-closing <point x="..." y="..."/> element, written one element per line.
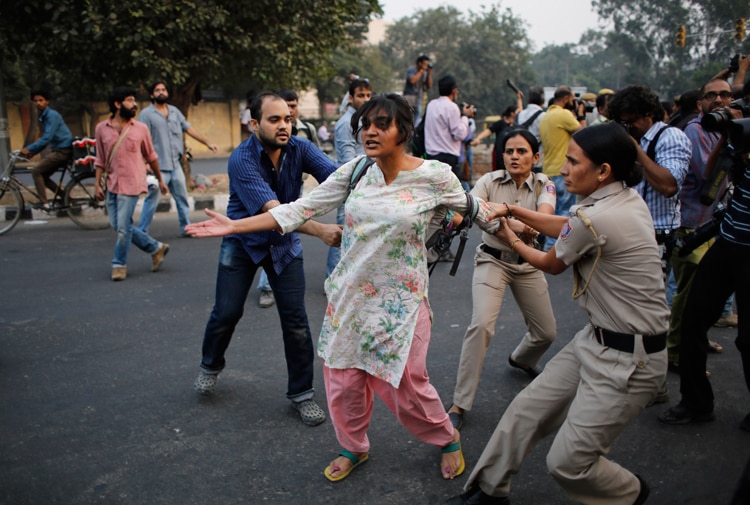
<point x="416" y="143"/>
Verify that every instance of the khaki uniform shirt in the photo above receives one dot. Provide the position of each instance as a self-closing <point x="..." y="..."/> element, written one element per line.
<point x="498" y="187"/>
<point x="626" y="293"/>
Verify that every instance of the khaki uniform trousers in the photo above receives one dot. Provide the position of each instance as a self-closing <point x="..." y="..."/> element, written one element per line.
<point x="531" y="292"/>
<point x="589" y="394"/>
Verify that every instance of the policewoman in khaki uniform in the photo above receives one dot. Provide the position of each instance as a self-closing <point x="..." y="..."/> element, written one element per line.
<point x="496" y="267"/>
<point x="598" y="383"/>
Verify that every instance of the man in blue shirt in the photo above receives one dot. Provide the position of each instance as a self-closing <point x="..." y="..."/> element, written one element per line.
<point x="266" y="171"/>
<point x="167" y="124"/>
<point x="58" y="137"/>
<point x="663" y="152"/>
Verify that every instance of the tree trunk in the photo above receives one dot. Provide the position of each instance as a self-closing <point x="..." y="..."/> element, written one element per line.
<point x="182" y="97"/>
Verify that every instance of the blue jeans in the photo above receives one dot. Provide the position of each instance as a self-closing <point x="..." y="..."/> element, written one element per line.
<point x="233" y="281"/>
<point x="120" y="209"/>
<point x="263" y="284"/>
<point x="334" y="253"/>
<point x="175" y="181"/>
<point x="565" y="201"/>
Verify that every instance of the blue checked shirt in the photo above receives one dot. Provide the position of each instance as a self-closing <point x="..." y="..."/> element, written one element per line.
<point x="673" y="151"/>
<point x="253" y="182"/>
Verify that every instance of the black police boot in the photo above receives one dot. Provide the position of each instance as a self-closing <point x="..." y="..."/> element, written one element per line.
<point x="475" y="496"/>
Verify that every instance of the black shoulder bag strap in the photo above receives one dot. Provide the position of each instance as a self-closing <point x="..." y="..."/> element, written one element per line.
<point x="530" y="121"/>
<point x="651" y="153"/>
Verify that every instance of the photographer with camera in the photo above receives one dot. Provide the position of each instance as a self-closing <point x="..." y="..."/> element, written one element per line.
<point x="446" y="126"/>
<point x="725" y="268"/>
<point x="563" y="118"/>
<point x="714" y="95"/>
<point x="664" y="152"/>
<point x="418" y="81"/>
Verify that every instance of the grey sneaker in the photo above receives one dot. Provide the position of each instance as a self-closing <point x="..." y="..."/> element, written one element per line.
<point x="266" y="299"/>
<point x="206" y="383"/>
<point x="309" y="411"/>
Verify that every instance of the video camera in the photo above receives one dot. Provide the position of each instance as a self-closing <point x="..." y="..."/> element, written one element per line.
<point x="588" y="106"/>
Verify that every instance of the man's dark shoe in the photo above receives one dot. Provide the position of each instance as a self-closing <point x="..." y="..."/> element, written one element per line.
<point x="532" y="372"/>
<point x="457" y="420"/>
<point x="645" y="491"/>
<point x="679" y="414"/>
<point x="475" y="496"/>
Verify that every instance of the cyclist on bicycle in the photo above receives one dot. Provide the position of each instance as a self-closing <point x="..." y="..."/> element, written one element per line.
<point x="58" y="137"/>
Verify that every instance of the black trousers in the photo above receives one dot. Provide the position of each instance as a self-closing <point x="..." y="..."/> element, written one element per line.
<point x="448" y="159"/>
<point x="724" y="269"/>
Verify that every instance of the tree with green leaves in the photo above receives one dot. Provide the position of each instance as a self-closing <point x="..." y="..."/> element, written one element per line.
<point x="86" y="47"/>
<point x="482" y="50"/>
<point x="647" y="29"/>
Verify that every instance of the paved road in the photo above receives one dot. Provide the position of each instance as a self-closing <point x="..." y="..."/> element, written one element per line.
<point x="97" y="405"/>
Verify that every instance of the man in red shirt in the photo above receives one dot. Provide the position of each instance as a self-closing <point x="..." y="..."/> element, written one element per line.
<point x="122" y="146"/>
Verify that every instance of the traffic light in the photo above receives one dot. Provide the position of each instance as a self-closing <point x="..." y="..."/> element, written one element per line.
<point x="739" y="29"/>
<point x="680" y="36"/>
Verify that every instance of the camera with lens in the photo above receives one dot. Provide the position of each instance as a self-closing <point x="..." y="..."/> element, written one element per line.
<point x="464" y="105"/>
<point x="708" y="230"/>
<point x="429" y="65"/>
<point x="720" y="120"/>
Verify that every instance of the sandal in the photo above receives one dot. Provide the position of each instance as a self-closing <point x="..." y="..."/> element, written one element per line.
<point x="453" y="447"/>
<point x="356" y="461"/>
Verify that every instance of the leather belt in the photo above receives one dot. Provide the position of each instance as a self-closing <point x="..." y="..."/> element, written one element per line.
<point x="507" y="257"/>
<point x="625" y="342"/>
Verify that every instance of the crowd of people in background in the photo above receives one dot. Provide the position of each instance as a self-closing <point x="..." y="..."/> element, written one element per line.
<point x="611" y="184"/>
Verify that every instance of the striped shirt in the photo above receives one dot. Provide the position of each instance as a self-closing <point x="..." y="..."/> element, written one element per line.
<point x="253" y="182"/>
<point x="736" y="225"/>
<point x="673" y="151"/>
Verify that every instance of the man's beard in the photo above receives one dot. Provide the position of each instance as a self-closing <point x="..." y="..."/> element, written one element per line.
<point x="161" y="99"/>
<point x="126" y="113"/>
<point x="272" y="141"/>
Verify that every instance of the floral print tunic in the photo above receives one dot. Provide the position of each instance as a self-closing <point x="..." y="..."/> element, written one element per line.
<point x="375" y="292"/>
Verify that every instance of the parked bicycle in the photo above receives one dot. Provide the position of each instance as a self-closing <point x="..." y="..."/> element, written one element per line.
<point x="76" y="194"/>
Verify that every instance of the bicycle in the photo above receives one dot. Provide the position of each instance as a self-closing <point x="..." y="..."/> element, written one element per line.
<point x="77" y="198"/>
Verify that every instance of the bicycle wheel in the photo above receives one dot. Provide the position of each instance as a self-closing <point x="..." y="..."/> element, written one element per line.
<point x="11" y="206"/>
<point x="81" y="203"/>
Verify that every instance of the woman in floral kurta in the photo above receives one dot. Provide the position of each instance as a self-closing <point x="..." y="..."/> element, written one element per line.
<point x="377" y="324"/>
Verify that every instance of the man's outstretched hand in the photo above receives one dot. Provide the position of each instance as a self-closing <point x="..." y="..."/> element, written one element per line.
<point x="218" y="226"/>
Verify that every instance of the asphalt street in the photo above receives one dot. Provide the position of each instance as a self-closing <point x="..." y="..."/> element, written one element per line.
<point x="97" y="403"/>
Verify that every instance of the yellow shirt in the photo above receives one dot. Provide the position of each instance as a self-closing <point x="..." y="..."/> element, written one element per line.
<point x="556" y="128"/>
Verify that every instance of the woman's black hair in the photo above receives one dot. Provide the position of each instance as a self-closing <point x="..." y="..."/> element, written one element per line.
<point x="526" y="134"/>
<point x="390" y="107"/>
<point x="610" y="143"/>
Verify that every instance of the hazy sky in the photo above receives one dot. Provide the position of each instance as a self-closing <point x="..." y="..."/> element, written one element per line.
<point x="548" y="21"/>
